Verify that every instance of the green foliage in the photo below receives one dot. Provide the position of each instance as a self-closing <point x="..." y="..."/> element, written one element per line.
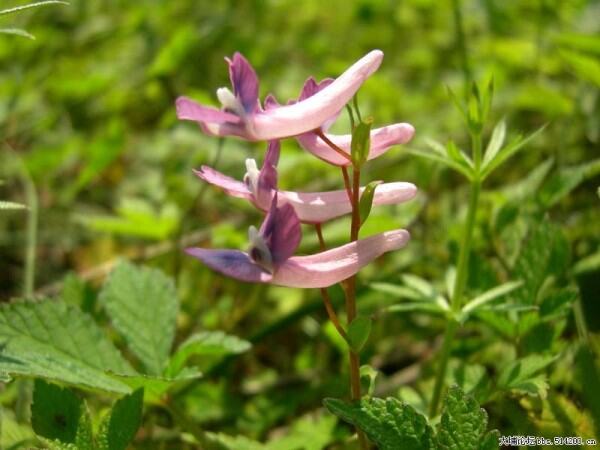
<point x="463" y="424"/>
<point x="142" y="304"/>
<point x="57" y="413"/>
<point x="389" y="424"/>
<point x="366" y="200"/>
<point x="10" y="206"/>
<point x="358" y="332"/>
<point x="523" y="375"/>
<point x="118" y="429"/>
<point x="51" y="340"/>
<point x="392" y="424"/>
<point x="361" y="142"/>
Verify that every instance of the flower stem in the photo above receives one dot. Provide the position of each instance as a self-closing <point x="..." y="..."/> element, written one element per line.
<point x="326" y="298"/>
<point x="331" y="144"/>
<point x="460" y="282"/>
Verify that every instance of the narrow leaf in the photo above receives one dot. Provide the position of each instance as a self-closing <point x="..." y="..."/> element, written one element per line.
<point x="442" y="159"/>
<point x="366" y="200"/>
<point x="361" y="142"/>
<point x="17" y="32"/>
<point x="11" y="206"/>
<point x="490" y="295"/>
<point x="31" y="5"/>
<point x="496" y="142"/>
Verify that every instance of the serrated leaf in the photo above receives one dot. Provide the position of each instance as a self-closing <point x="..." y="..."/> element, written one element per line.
<point x="389" y="424"/>
<point x="55" y="412"/>
<point x="206" y="343"/>
<point x="156" y="387"/>
<point x="366" y="200"/>
<point x="142" y="304"/>
<point x="358" y="332"/>
<point x="118" y="429"/>
<point x="508" y="151"/>
<point x="463" y="422"/>
<point x="51" y="340"/>
<point x="495" y="143"/>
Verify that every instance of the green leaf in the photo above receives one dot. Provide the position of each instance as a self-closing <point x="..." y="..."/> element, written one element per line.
<point x="442" y="159"/>
<point x="389" y="424"/>
<point x="142" y="304"/>
<point x="366" y="200"/>
<point x="51" y="340"/>
<point x="585" y="67"/>
<point x="11" y="206"/>
<point x="544" y="253"/>
<point x="206" y="343"/>
<point x="361" y="142"/>
<point x="489" y="296"/>
<point x="507" y="152"/>
<point x="458" y="156"/>
<point x="368" y="376"/>
<point x="463" y="423"/>
<point x="522" y="375"/>
<point x="55" y="412"/>
<point x="17" y="32"/>
<point x="118" y="429"/>
<point x="495" y="144"/>
<point x="358" y="332"/>
<point x="156" y="387"/>
<point x="562" y="183"/>
<point x="31" y="5"/>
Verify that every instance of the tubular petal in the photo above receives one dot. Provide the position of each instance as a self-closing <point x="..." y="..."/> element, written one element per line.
<point x="311" y="207"/>
<point x="316" y="271"/>
<point x="382" y="139"/>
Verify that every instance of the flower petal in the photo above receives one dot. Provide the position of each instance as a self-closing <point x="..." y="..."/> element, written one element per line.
<point x="281" y="231"/>
<point x="381" y="141"/>
<point x="330" y="267"/>
<point x="311" y="87"/>
<point x="232" y="187"/>
<point x="309" y="114"/>
<point x="233" y="263"/>
<point x="319" y="207"/>
<point x="188" y="109"/>
<point x="244" y="82"/>
<point x="267" y="178"/>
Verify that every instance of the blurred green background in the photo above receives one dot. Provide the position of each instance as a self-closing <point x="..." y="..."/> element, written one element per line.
<point x="88" y="108"/>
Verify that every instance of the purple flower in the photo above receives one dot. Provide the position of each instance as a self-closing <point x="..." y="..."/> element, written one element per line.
<point x="381" y="138"/>
<point x="260" y="187"/>
<point x="269" y="258"/>
<point x="242" y="116"/>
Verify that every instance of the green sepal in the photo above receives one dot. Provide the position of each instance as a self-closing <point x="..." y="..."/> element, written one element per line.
<point x="361" y="142"/>
<point x="366" y="200"/>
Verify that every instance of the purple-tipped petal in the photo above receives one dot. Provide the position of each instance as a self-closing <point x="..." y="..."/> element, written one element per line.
<point x="233" y="263"/>
<point x="382" y="139"/>
<point x="244" y="82"/>
<point x="311" y="87"/>
<point x="309" y="114"/>
<point x="330" y="267"/>
<point x="267" y="178"/>
<point x="188" y="109"/>
<point x="271" y="102"/>
<point x="281" y="231"/>
<point x="320" y="207"/>
<point x="232" y="187"/>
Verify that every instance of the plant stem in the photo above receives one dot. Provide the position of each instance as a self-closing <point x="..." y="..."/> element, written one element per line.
<point x="351" y="301"/>
<point x="461" y="43"/>
<point x="347" y="184"/>
<point x="460" y="282"/>
<point x="326" y="299"/>
<point x="331" y="144"/>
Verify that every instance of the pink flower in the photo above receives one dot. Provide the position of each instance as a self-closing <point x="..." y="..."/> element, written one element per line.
<point x="260" y="187"/>
<point x="269" y="258"/>
<point x="382" y="139"/>
<point x="242" y="116"/>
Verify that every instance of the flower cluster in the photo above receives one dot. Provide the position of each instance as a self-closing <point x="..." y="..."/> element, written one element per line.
<point x="270" y="256"/>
